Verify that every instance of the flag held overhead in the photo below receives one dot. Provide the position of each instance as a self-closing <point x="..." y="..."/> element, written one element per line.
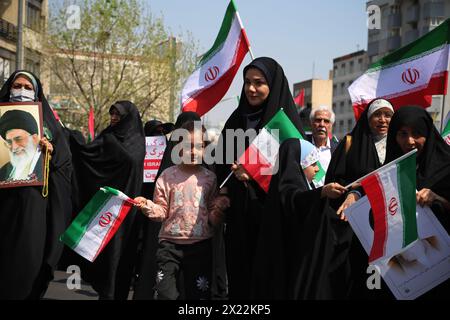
<point x="207" y="85"/>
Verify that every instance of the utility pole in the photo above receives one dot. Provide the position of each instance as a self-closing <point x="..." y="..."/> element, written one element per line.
<point x="19" y="48"/>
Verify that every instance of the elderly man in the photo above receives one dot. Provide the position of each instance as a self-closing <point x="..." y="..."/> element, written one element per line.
<point x="322" y="119"/>
<point x="19" y="131"/>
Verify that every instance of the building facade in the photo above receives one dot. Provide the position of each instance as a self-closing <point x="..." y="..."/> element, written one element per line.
<point x="35" y="14"/>
<point x="318" y="92"/>
<point x="346" y="69"/>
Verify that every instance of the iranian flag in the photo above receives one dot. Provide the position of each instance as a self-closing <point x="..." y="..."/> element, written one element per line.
<point x="97" y="223"/>
<point x="217" y="67"/>
<point x="392" y="195"/>
<point x="410" y="75"/>
<point x="446" y="132"/>
<point x="260" y="157"/>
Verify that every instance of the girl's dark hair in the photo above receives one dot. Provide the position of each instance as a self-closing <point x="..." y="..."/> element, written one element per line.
<point x="191" y="125"/>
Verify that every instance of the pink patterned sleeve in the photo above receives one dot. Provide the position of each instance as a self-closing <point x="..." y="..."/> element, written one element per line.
<point x="215" y="215"/>
<point x="158" y="209"/>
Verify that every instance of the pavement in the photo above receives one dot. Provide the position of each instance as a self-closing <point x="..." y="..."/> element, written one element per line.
<point x="59" y="289"/>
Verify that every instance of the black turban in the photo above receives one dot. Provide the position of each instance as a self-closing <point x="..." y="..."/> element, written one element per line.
<point x="17" y="119"/>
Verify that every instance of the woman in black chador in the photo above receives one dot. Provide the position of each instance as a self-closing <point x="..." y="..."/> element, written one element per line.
<point x="265" y="91"/>
<point x="116" y="159"/>
<point x="30" y="224"/>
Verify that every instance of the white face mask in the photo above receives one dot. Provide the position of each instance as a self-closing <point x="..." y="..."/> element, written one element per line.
<point x="21" y="95"/>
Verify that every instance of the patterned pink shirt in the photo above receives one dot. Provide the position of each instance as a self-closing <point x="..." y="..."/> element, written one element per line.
<point x="183" y="202"/>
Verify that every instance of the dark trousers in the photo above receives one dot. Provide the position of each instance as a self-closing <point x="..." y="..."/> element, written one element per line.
<point x="184" y="271"/>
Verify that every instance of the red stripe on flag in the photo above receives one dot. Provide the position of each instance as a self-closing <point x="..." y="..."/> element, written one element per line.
<point x="207" y="98"/>
<point x="126" y="206"/>
<point x="256" y="165"/>
<point x="373" y="188"/>
<point x="437" y="85"/>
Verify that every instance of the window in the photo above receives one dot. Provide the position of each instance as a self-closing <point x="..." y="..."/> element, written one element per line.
<point x="32" y="66"/>
<point x="342" y="69"/>
<point x="350" y="124"/>
<point x="342" y="88"/>
<point x="351" y="67"/>
<point x="334" y="90"/>
<point x="341" y="107"/>
<point x="5" y="68"/>
<point x="34" y="18"/>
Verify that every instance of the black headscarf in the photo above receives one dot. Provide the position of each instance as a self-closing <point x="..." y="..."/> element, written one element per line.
<point x="30" y="225"/>
<point x="115" y="158"/>
<point x="295" y="242"/>
<point x="247" y="116"/>
<point x="433" y="164"/>
<point x="361" y="158"/>
<point x="157" y="128"/>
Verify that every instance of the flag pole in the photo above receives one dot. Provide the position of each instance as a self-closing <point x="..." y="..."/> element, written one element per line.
<point x="443" y="100"/>
<point x="244" y="33"/>
<point x="226" y="179"/>
<point x="379" y="169"/>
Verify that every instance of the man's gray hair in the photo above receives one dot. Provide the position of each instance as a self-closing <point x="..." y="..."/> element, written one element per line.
<point x="322" y="108"/>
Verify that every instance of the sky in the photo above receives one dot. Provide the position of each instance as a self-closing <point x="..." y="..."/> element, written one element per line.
<point x="299" y="34"/>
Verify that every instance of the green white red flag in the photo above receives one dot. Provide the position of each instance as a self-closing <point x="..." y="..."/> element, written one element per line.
<point x="97" y="223"/>
<point x="260" y="157"/>
<point x="446" y="132"/>
<point x="216" y="70"/>
<point x="392" y="195"/>
<point x="409" y="75"/>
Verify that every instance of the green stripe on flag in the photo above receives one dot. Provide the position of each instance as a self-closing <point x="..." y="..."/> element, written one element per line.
<point x="406" y="177"/>
<point x="78" y="228"/>
<point x="112" y="191"/>
<point x="223" y="33"/>
<point x="446" y="129"/>
<point x="321" y="173"/>
<point x="286" y="129"/>
<point x="426" y="44"/>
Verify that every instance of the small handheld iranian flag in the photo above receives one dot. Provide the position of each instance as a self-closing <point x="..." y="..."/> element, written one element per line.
<point x="216" y="70"/>
<point x="409" y="75"/>
<point x="97" y="223"/>
<point x="392" y="195"/>
<point x="260" y="157"/>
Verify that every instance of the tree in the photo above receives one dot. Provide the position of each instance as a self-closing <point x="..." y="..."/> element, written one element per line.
<point x="117" y="53"/>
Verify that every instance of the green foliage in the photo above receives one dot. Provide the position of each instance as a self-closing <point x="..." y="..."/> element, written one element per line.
<point x="120" y="52"/>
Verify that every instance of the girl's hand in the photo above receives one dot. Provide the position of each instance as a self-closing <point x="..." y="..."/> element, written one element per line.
<point x="141" y="202"/>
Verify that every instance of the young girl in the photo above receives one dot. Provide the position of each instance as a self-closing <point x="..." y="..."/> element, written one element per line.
<point x="186" y="202"/>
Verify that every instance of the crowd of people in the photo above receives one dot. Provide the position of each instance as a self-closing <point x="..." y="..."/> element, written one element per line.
<point x="189" y="239"/>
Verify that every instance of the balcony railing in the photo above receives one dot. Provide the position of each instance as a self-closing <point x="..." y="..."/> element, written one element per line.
<point x="394" y="20"/>
<point x="433" y="9"/>
<point x="412" y="14"/>
<point x="8" y="30"/>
